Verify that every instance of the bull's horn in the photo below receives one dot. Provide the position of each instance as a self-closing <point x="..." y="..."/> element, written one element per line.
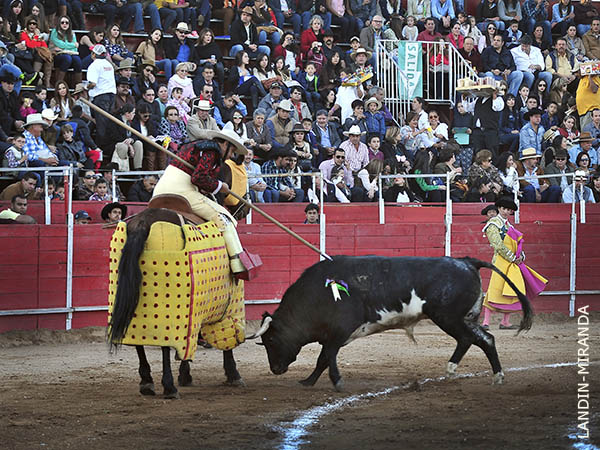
<point x="263" y="329"/>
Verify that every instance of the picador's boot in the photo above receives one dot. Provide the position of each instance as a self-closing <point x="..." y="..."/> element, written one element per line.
<point x="244" y="265"/>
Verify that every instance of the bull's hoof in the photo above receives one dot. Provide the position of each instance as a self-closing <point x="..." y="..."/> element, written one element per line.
<point x="498" y="378"/>
<point x="235" y="383"/>
<point x="184" y="380"/>
<point x="147" y="389"/>
<point x="307" y="382"/>
<point x="339" y="386"/>
<point x="172" y="395"/>
<point x="451" y="370"/>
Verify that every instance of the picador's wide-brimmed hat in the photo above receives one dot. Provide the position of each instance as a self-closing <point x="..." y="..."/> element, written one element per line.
<point x="229" y="136"/>
<point x="506" y="202"/>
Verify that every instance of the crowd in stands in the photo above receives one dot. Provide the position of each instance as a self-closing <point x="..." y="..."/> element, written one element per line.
<point x="276" y="77"/>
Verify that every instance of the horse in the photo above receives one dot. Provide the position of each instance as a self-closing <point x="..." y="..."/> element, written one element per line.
<point x="127" y="296"/>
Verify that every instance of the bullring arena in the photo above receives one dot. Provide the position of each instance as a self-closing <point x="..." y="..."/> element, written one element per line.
<point x="63" y="389"/>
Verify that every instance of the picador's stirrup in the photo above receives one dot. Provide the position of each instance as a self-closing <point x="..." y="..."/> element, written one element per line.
<point x="251" y="263"/>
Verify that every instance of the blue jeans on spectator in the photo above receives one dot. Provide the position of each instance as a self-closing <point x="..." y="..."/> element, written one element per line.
<point x="582" y="29"/>
<point x="307" y="15"/>
<point x="152" y="11"/>
<point x="531" y="23"/>
<point x="86" y="61"/>
<point x="550" y="195"/>
<point x="262" y="37"/>
<point x="294" y="19"/>
<point x="348" y="23"/>
<point x="529" y="78"/>
<point x="127" y="13"/>
<point x="514" y="80"/>
<point x="167" y="16"/>
<point x="271" y="195"/>
<point x="165" y="64"/>
<point x="239" y="47"/>
<point x="65" y="62"/>
<point x="512" y="140"/>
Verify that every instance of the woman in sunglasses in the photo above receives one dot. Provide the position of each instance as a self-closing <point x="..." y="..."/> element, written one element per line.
<point x="64" y="45"/>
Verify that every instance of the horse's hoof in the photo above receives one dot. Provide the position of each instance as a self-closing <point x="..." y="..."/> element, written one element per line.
<point x="147" y="389"/>
<point x="184" y="381"/>
<point x="306" y="382"/>
<point x="235" y="383"/>
<point x="498" y="378"/>
<point x="172" y="395"/>
<point x="451" y="370"/>
<point x="339" y="386"/>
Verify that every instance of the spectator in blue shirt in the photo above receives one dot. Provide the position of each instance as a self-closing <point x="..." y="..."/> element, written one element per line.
<point x="443" y="13"/>
<point x="532" y="133"/>
<point x="584" y="145"/>
<point x="536" y="12"/>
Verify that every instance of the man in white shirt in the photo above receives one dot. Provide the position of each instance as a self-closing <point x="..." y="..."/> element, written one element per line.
<point x="582" y="192"/>
<point x="102" y="87"/>
<point x="530" y="61"/>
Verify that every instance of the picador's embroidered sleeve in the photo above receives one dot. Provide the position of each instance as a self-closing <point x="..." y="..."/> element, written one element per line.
<point x="493" y="234"/>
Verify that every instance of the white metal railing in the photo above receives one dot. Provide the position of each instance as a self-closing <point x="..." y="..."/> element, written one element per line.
<point x="438" y="86"/>
<point x="122" y="175"/>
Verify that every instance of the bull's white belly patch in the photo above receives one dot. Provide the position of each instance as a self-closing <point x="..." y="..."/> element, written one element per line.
<point x="411" y="313"/>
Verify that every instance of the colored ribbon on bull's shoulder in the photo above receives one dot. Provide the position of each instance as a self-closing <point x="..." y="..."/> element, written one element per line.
<point x="337" y="286"/>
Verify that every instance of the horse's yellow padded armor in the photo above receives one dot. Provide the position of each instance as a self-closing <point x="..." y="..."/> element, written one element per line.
<point x="186" y="287"/>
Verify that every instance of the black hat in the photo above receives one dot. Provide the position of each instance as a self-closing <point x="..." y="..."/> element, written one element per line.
<point x="298" y="128"/>
<point x="283" y="153"/>
<point x="108" y="208"/>
<point x="488" y="208"/>
<point x="123" y="80"/>
<point x="532" y="112"/>
<point x="506" y="202"/>
<point x="82" y="214"/>
<point x="8" y="77"/>
<point x="327" y="33"/>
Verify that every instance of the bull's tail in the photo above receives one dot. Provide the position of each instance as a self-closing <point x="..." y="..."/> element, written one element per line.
<point x="128" y="287"/>
<point x="527" y="320"/>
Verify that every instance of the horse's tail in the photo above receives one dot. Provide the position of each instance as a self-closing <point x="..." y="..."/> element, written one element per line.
<point x="128" y="287"/>
<point x="527" y="320"/>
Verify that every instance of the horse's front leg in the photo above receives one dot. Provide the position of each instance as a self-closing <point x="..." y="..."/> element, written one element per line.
<point x="170" y="391"/>
<point x="146" y="382"/>
<point x="233" y="376"/>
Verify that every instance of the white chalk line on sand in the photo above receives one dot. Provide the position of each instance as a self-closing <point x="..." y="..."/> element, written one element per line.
<point x="294" y="432"/>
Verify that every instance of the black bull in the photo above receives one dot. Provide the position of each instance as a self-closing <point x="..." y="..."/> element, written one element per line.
<point x="384" y="293"/>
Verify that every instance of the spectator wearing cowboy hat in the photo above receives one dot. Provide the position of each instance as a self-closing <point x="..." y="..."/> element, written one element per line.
<point x="535" y="190"/>
<point x="301" y="147"/>
<point x="361" y="59"/>
<point x="38" y="153"/>
<point x="244" y="35"/>
<point x="113" y="212"/>
<point x="201" y="121"/>
<point x="280" y="125"/>
<point x="192" y="184"/>
<point x="532" y="133"/>
<point x="10" y="117"/>
<point x="125" y="69"/>
<point x="102" y="87"/>
<point x="357" y="153"/>
<point x="80" y="92"/>
<point x="560" y="165"/>
<point x="582" y="192"/>
<point x="584" y="144"/>
<point x="123" y="96"/>
<point x="374" y="118"/>
<point x="180" y="47"/>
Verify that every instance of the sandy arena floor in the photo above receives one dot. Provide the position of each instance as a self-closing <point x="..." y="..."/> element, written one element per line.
<point x="64" y="390"/>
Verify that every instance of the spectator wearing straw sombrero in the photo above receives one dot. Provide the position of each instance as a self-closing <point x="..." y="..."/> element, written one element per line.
<point x="535" y="190"/>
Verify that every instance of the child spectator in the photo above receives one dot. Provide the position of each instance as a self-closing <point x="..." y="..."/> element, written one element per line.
<point x="312" y="214"/>
<point x="374" y="118"/>
<point x="301" y="147"/>
<point x="512" y="35"/>
<point x="550" y="117"/>
<point x="71" y="150"/>
<point x="15" y="157"/>
<point x="179" y="102"/>
<point x="315" y="55"/>
<point x="310" y="82"/>
<point x="374" y="146"/>
<point x="100" y="191"/>
<point x="26" y="105"/>
<point x="39" y="102"/>
<point x="410" y="30"/>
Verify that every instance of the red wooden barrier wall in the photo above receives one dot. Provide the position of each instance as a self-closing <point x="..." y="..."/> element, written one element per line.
<point x="33" y="263"/>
